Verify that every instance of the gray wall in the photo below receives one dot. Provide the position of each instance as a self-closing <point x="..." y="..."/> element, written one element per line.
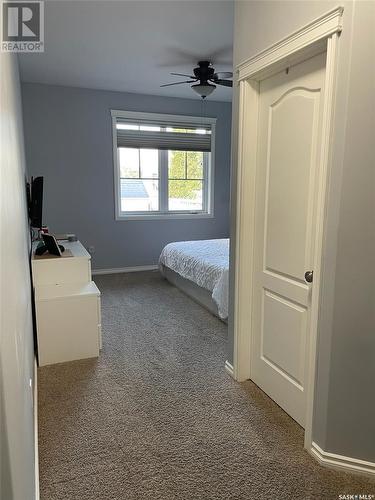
<point x="16" y="336"/>
<point x="68" y="135"/>
<point x="351" y="402"/>
<point x="344" y="410"/>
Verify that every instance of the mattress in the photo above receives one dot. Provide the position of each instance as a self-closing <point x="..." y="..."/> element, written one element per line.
<point x="205" y="263"/>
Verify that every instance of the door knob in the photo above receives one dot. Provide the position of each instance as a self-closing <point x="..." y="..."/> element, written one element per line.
<point x="309" y="276"/>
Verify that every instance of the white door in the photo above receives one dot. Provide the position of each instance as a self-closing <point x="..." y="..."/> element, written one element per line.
<point x="286" y="185"/>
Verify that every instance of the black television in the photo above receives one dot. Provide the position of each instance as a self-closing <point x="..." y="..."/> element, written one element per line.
<point x="35" y="202"/>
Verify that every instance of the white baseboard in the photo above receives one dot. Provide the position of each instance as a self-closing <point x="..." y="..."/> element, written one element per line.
<point x="342" y="463"/>
<point x="117" y="270"/>
<point x="36" y="446"/>
<point x="229" y="368"/>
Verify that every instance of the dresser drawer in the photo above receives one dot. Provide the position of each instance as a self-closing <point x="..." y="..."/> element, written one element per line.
<point x="67" y="322"/>
<point x="61" y="270"/>
<point x="74" y="266"/>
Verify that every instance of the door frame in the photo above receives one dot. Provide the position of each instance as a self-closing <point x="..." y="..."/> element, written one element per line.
<point x="319" y="36"/>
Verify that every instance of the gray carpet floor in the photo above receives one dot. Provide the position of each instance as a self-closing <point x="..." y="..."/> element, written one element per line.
<point x="157" y="418"/>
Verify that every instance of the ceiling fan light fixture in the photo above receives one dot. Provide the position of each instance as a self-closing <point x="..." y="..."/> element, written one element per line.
<point x="203" y="89"/>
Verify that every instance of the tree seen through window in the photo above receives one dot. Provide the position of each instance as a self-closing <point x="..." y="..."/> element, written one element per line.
<point x="185" y="175"/>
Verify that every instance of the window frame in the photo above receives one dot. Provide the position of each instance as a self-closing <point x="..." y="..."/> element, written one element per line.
<point x="163" y="213"/>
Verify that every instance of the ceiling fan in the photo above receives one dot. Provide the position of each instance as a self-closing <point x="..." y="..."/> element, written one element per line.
<point x="205" y="74"/>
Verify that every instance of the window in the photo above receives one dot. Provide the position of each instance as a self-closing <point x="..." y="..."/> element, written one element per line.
<point x="163" y="165"/>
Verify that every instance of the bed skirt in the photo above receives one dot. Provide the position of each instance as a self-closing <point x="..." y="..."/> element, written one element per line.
<point x="200" y="295"/>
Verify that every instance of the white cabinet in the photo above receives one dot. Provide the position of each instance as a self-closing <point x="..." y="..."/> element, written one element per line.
<point x="67" y="306"/>
<point x="74" y="266"/>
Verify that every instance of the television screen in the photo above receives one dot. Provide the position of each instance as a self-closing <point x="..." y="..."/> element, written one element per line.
<point x="36" y="202"/>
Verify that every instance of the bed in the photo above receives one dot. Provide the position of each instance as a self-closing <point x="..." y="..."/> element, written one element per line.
<point x="201" y="270"/>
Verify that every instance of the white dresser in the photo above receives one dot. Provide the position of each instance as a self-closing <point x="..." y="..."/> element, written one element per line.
<point x="67" y="305"/>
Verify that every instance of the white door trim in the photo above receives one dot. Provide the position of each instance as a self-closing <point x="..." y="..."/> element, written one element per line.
<point x="308" y="38"/>
<point x="321" y="35"/>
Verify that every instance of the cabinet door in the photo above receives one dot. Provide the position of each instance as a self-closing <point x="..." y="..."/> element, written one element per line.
<point x="99" y="322"/>
<point x="67" y="329"/>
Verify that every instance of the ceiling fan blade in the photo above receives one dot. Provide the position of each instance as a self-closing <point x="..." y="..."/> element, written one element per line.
<point x="226" y="51"/>
<point x="181" y="74"/>
<point x="177" y="83"/>
<point x="224" y="83"/>
<point x="223" y="74"/>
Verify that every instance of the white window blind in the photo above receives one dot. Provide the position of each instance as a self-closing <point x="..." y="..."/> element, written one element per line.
<point x="163" y="134"/>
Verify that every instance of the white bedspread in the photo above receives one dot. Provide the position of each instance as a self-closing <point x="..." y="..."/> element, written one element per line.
<point x="206" y="263"/>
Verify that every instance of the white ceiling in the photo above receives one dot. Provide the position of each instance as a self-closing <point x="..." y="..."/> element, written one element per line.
<point x="132" y="46"/>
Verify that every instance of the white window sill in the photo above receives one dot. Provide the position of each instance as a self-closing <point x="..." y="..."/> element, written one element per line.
<point x="158" y="216"/>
